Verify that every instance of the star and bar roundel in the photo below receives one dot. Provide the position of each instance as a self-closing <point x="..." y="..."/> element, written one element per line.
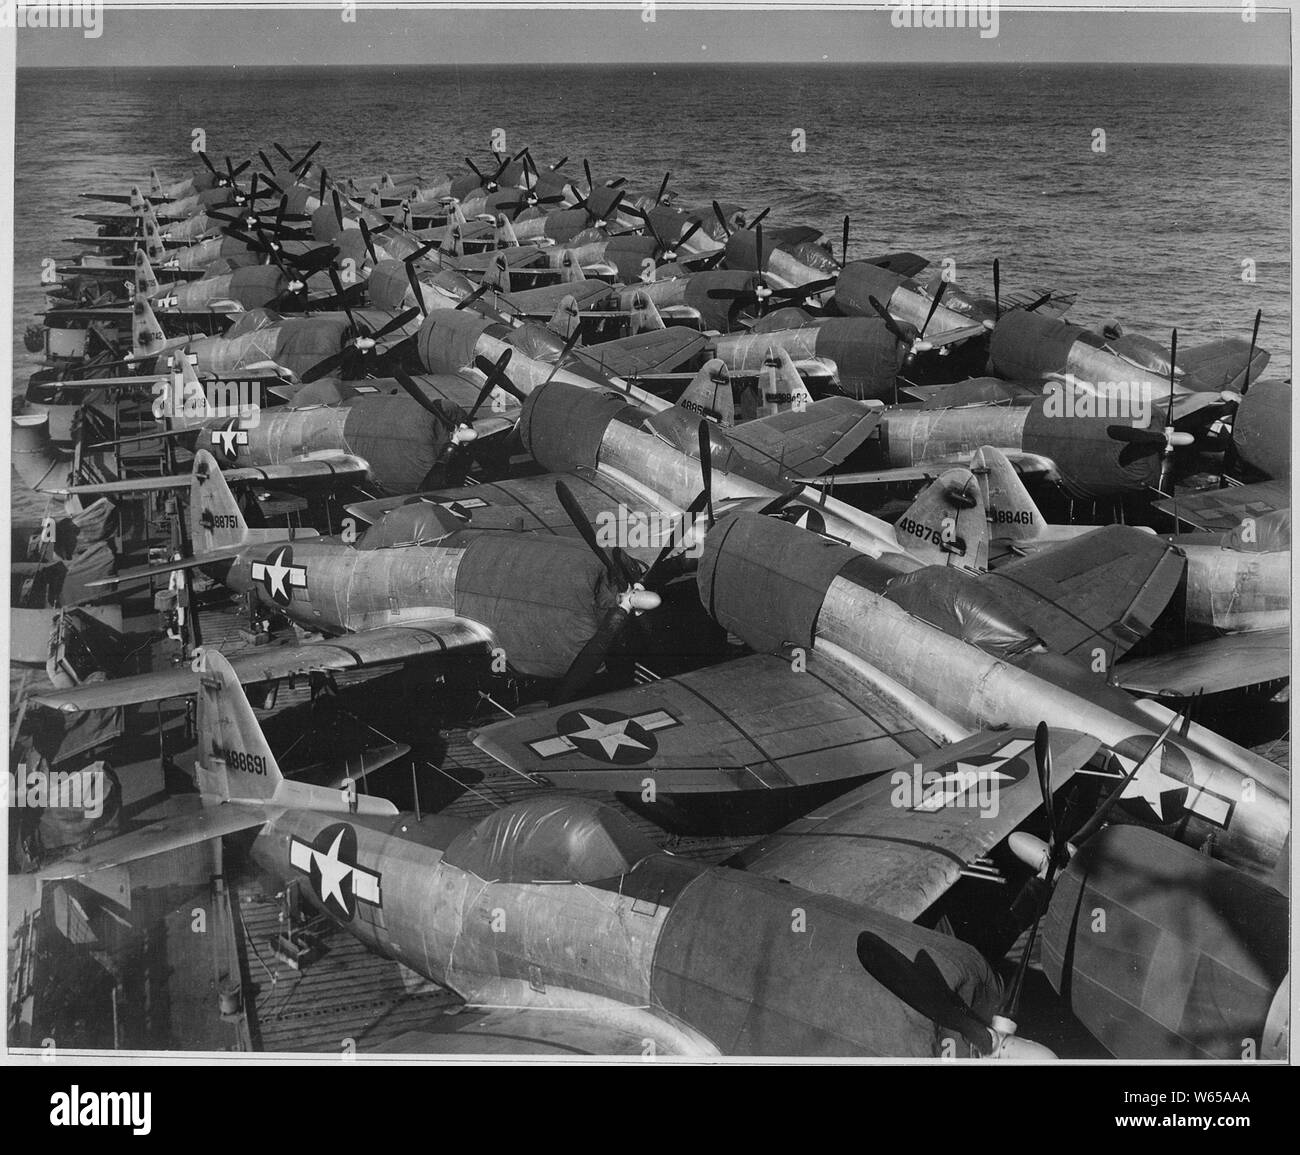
<point x="1002" y="768"/>
<point x="1164" y="790"/>
<point x="606" y="735"/>
<point x="229" y="438"/>
<point x="330" y="862"/>
<point x="279" y="576"/>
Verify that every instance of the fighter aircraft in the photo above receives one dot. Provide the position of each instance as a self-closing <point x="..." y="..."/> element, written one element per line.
<point x="850" y="657"/>
<point x="416" y="585"/>
<point x="557" y="970"/>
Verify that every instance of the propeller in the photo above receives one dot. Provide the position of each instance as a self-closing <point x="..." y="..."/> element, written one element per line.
<point x="919" y="983"/>
<point x="1048" y="858"/>
<point x="762" y="295"/>
<point x="664" y="252"/>
<point x="413" y="280"/>
<point x="844" y="243"/>
<point x="914" y="345"/>
<point x="1165" y="441"/>
<point x="633" y="599"/>
<point x="997" y="290"/>
<point x="297" y="167"/>
<point x="361" y="345"/>
<point x="464" y="434"/>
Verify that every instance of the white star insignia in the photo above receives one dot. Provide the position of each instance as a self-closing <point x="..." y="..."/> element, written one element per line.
<point x="611" y="735"/>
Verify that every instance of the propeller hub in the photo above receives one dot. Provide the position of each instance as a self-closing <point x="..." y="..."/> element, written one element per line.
<point x="639" y="600"/>
<point x="464" y="434"/>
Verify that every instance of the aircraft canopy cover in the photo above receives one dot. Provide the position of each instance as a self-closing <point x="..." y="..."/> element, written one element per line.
<point x="1270" y="533"/>
<point x="858" y="282"/>
<point x="1192" y="955"/>
<point x="550" y="840"/>
<point x="419" y="522"/>
<point x="954" y="602"/>
<point x="765" y="580"/>
<point x="400" y="439"/>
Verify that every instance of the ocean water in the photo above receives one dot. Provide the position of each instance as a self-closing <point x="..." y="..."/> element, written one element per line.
<point x="960" y="162"/>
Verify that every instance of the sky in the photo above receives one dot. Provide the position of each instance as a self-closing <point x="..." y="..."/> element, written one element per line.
<point x="259" y="34"/>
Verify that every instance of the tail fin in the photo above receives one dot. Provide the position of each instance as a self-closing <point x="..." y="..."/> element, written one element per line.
<point x="497" y="274"/>
<point x="147" y="338"/>
<point x="154" y="183"/>
<point x="645" y="316"/>
<point x="779" y="385"/>
<point x="216" y="522"/>
<point x="566" y="318"/>
<point x="506" y="235"/>
<point x="138" y="202"/>
<point x="1012" y="514"/>
<point x="146" y="281"/>
<point x="946" y="525"/>
<point x="709" y="394"/>
<point x="153" y="242"/>
<point x="235" y="761"/>
<point x="452" y="244"/>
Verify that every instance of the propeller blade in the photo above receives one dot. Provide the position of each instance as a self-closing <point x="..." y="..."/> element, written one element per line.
<point x="203" y="156"/>
<point x="1043" y="762"/>
<point x="465" y="302"/>
<point x="844" y="244"/>
<point x="663" y="187"/>
<point x="997" y="290"/>
<point x="366" y="237"/>
<point x="591" y="657"/>
<point x="338" y="206"/>
<point x="717" y="212"/>
<point x="755" y="222"/>
<point x="934" y="306"/>
<point x="1135" y="436"/>
<point x="578" y="516"/>
<point x="266" y="163"/>
<point x="1089" y="828"/>
<point x="306" y="157"/>
<point x="343" y="303"/>
<point x="321" y="368"/>
<point x="706" y="468"/>
<point x="1250" y="356"/>
<point x="569" y="342"/>
<point x="418" y="395"/>
<point x="921" y="986"/>
<point x="686" y="236"/>
<point x="397" y="322"/>
<point x="496" y="373"/>
<point x="890" y="323"/>
<point x="1038" y="304"/>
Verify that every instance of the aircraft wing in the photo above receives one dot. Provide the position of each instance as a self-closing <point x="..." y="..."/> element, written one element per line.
<point x="1219" y="510"/>
<point x="529" y="504"/>
<point x="929" y="470"/>
<point x="954" y="336"/>
<point x="749" y="724"/>
<point x="542" y="302"/>
<point x="1104" y="589"/>
<point x="523" y="1030"/>
<point x="178" y="830"/>
<point x="811" y="440"/>
<point x="328" y="466"/>
<point x="381" y="646"/>
<point x="654" y="351"/>
<point x="897" y="843"/>
<point x="91" y="313"/>
<point x="1226" y="663"/>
